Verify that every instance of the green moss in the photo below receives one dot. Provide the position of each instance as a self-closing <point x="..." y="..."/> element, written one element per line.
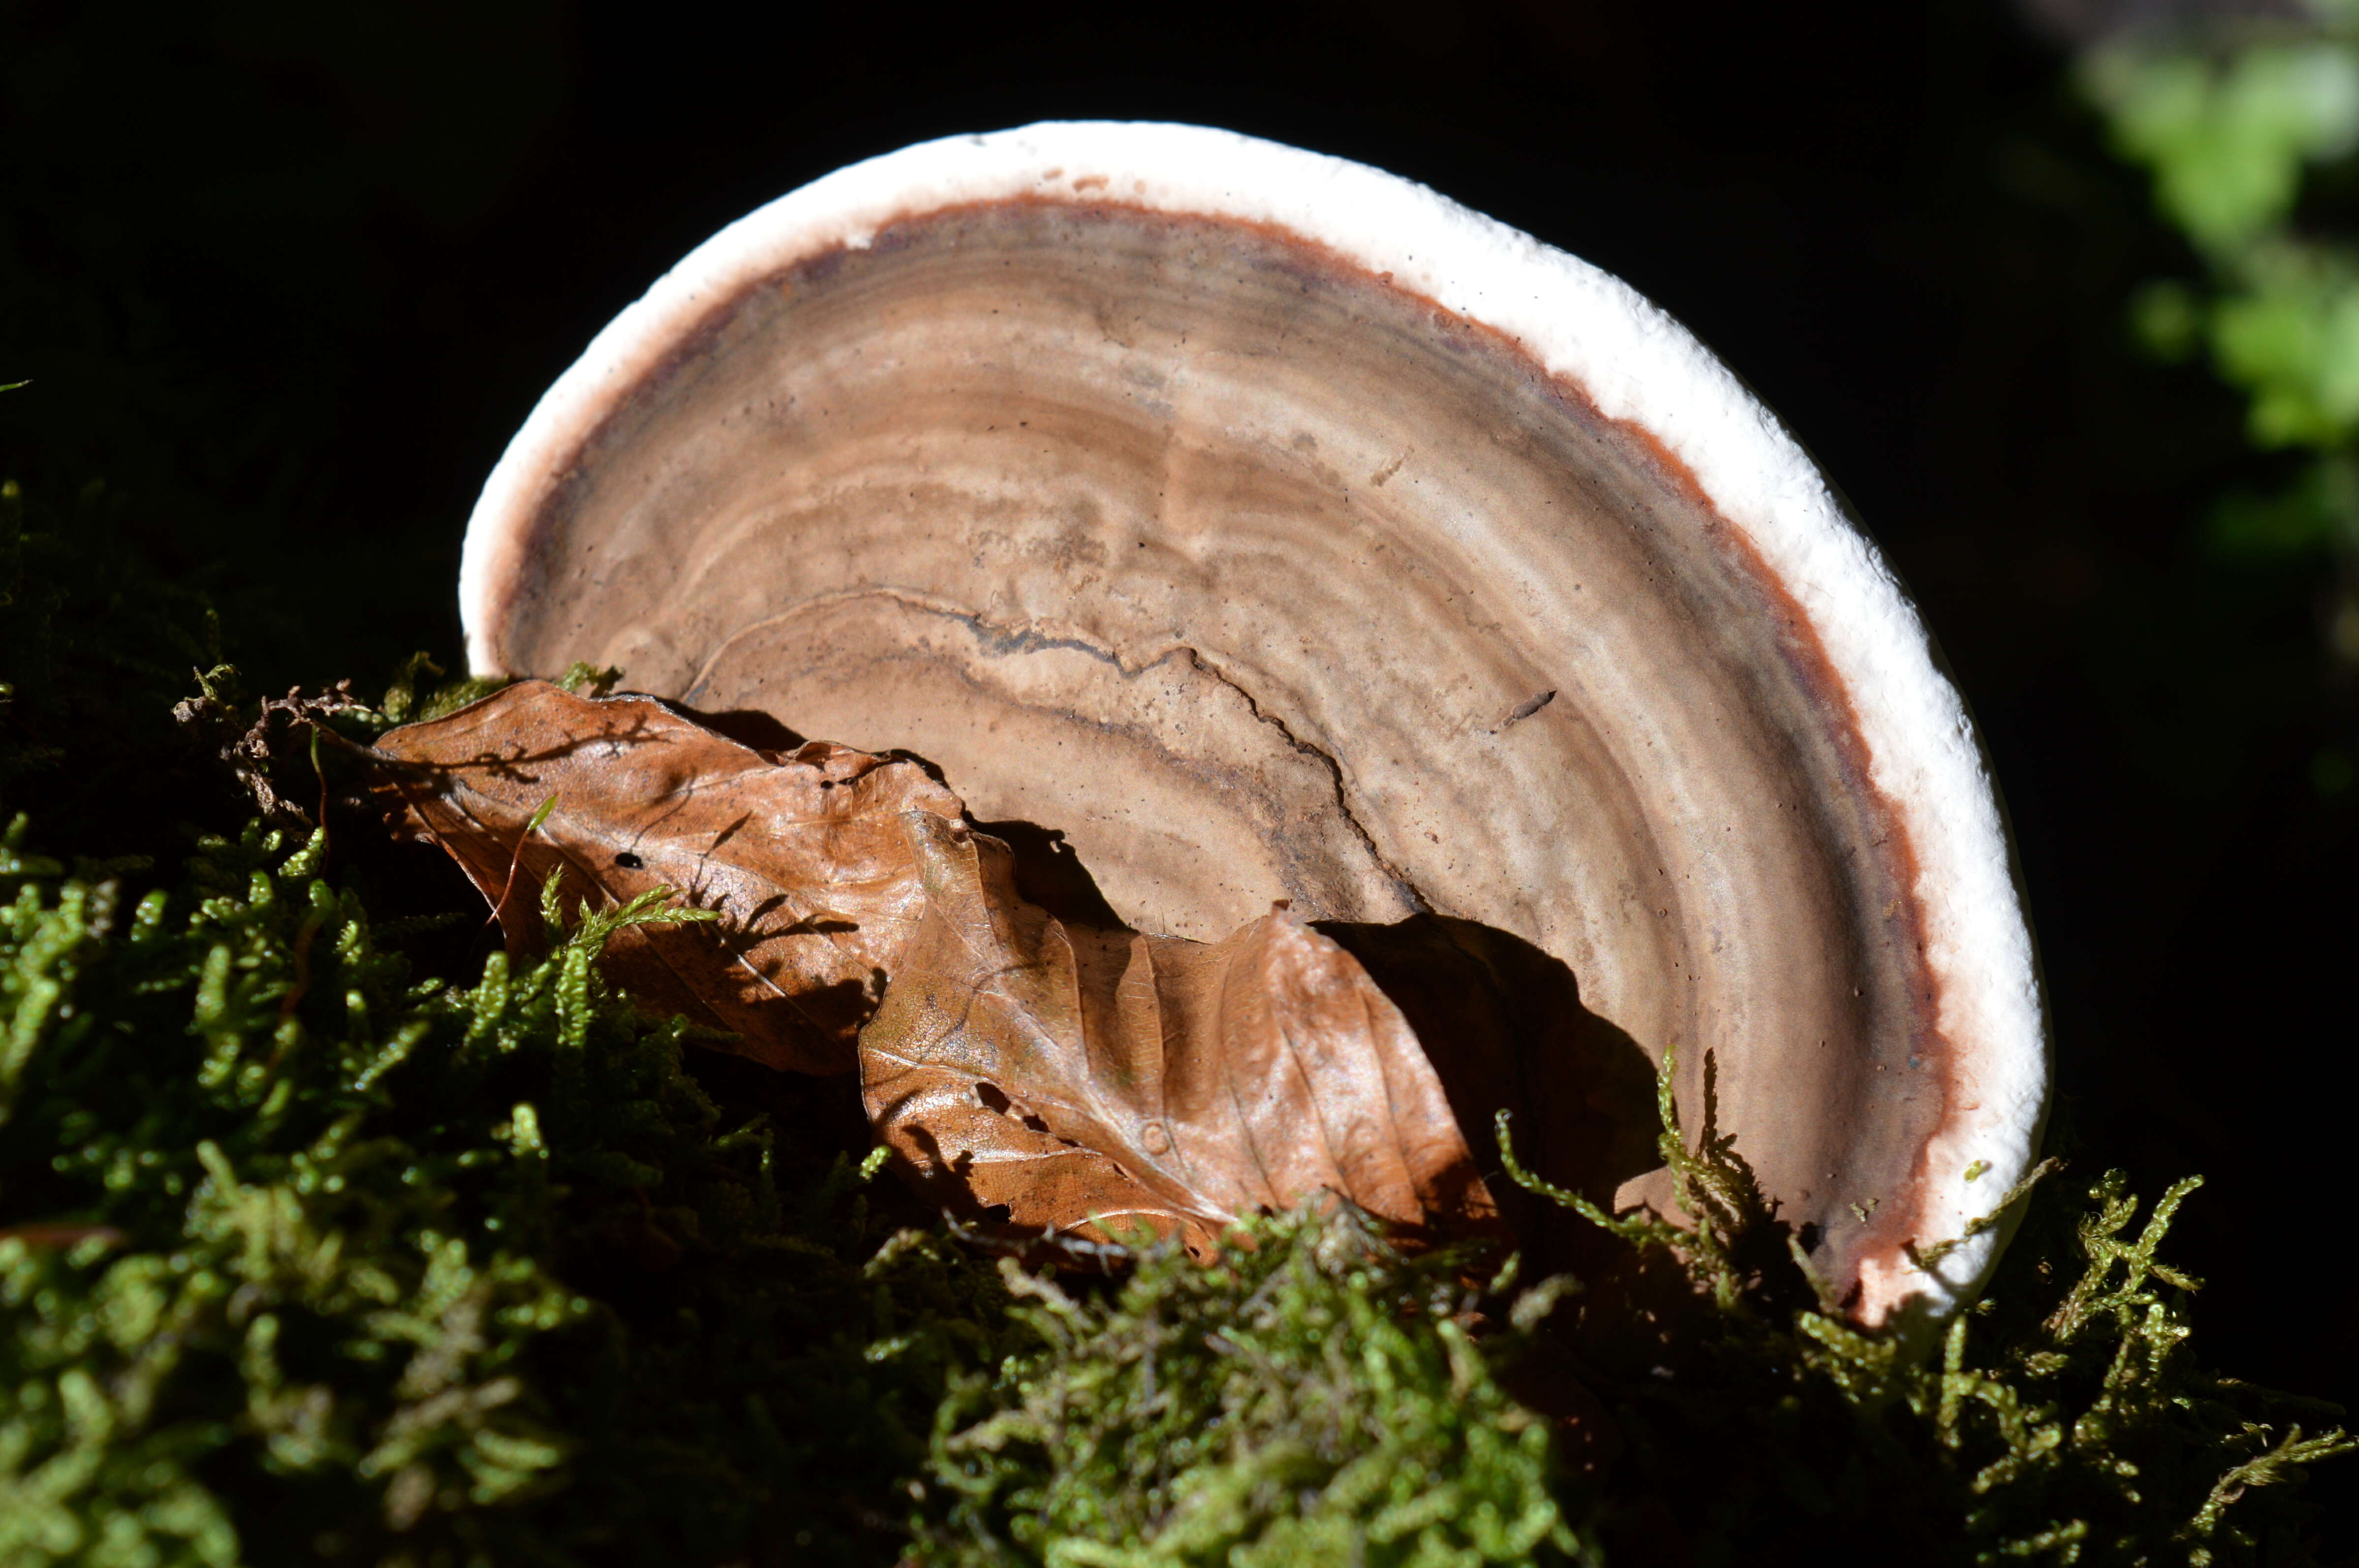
<point x="309" y="1262"/>
<point x="410" y="700"/>
<point x="1310" y="1398"/>
<point x="2059" y="1422"/>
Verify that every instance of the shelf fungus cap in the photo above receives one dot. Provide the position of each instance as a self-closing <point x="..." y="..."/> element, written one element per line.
<point x="1274" y="527"/>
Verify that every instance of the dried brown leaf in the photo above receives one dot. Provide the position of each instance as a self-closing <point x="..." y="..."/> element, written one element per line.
<point x="802" y="853"/>
<point x="1052" y="1076"/>
<point x="1057" y="1078"/>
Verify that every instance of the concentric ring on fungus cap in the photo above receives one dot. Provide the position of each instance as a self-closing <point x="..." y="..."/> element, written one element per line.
<point x="1275" y="527"/>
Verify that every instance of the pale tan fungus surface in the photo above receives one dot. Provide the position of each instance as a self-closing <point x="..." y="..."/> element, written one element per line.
<point x="1258" y="579"/>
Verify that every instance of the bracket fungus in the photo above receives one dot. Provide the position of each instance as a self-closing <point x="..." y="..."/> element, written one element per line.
<point x="1274" y="528"/>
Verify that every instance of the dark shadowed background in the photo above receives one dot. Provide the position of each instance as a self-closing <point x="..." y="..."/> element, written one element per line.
<point x="285" y="277"/>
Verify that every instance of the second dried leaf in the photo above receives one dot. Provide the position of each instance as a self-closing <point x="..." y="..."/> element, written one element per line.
<point x="1049" y="1075"/>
